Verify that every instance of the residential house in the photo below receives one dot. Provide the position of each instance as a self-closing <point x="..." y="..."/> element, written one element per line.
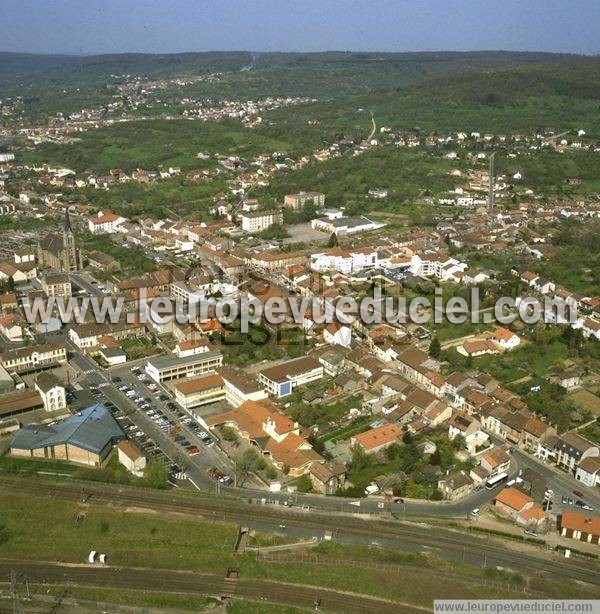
<point x="461" y="424"/>
<point x="535" y="432"/>
<point x="505" y="338"/>
<point x="377" y="439"/>
<point x="572" y="448"/>
<point x="495" y="461"/>
<point x="328" y="477"/>
<point x="337" y="334"/>
<point x="456" y="485"/>
<point x="131" y="458"/>
<point x="276" y="435"/>
<point x="52" y="391"/>
<point x="478" y="347"/>
<point x="588" y="471"/>
<point x="521" y="508"/>
<point x="56" y="285"/>
<point x="12" y="326"/>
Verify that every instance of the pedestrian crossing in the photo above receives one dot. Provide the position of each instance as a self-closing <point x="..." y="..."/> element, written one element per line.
<point x="182" y="475"/>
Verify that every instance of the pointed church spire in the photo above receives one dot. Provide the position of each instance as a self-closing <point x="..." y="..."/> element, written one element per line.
<point x="67" y="221"/>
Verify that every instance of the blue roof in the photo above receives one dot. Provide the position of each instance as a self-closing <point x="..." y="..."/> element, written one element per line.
<point x="90" y="429"/>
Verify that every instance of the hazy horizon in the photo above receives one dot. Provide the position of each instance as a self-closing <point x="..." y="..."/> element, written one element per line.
<point x="286" y="51"/>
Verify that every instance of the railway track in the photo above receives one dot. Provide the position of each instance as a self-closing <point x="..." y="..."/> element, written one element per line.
<point x="190" y="583"/>
<point x="442" y="540"/>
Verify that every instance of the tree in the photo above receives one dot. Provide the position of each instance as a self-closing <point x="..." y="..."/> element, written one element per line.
<point x="435" y="459"/>
<point x="304" y="484"/>
<point x="360" y="459"/>
<point x="333" y="240"/>
<point x="156" y="474"/>
<point x="407" y="437"/>
<point x="246" y="462"/>
<point x="228" y="434"/>
<point x="435" y="348"/>
<point x="393" y="451"/>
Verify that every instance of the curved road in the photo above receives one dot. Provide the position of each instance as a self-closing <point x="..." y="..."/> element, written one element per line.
<point x="373" y="128"/>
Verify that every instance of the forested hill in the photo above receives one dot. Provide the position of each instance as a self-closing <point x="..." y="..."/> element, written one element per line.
<point x="391" y="68"/>
<point x="570" y="77"/>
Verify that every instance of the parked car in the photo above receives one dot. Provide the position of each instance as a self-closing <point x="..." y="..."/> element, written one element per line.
<point x="215" y="473"/>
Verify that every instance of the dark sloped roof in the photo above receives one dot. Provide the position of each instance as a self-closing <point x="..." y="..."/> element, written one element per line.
<point x="91" y="429"/>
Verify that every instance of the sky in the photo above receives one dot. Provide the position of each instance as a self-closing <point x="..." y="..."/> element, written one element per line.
<point x="168" y="26"/>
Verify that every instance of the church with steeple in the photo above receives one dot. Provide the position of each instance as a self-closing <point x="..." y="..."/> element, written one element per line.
<point x="58" y="251"/>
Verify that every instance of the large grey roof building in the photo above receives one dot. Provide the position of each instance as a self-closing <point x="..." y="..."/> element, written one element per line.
<point x="86" y="437"/>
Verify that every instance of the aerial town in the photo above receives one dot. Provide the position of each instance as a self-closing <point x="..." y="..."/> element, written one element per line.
<point x="309" y="448"/>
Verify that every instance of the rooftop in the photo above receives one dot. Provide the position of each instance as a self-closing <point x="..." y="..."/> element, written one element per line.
<point x="91" y="429"/>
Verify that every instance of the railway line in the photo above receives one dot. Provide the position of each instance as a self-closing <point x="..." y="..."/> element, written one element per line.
<point x="459" y="546"/>
<point x="190" y="583"/>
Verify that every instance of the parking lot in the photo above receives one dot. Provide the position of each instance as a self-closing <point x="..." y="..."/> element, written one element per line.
<point x="137" y="432"/>
<point x="169" y="429"/>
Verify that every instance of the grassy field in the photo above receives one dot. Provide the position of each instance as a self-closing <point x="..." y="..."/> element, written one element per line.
<point x="49" y="530"/>
<point x="105" y="597"/>
<point x="592" y="432"/>
<point x="586" y="400"/>
<point x="532" y="359"/>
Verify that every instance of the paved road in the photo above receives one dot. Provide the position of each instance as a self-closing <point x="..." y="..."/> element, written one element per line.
<point x="373" y="127"/>
<point x="79" y="280"/>
<point x="190" y="583"/>
<point x="452" y="545"/>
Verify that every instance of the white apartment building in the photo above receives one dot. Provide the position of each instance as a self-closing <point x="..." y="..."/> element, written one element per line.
<point x="344" y="261"/>
<point x="437" y="265"/>
<point x="257" y="221"/>
<point x="106" y="222"/>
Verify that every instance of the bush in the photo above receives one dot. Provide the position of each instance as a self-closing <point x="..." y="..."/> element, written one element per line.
<point x="228" y="434"/>
<point x="156" y="474"/>
<point x="4" y="534"/>
<point x="304" y="484"/>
